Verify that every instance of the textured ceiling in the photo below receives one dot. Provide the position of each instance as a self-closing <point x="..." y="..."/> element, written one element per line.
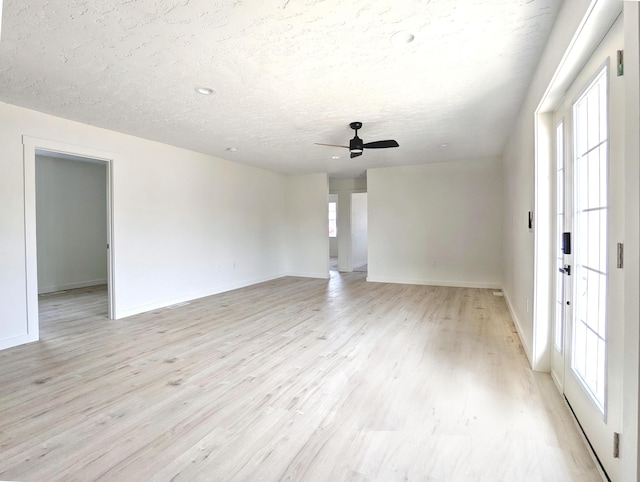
<point x="287" y="73"/>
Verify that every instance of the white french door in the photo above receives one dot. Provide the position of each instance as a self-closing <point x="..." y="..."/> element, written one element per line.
<point x="587" y="331"/>
<point x="590" y="188"/>
<point x="562" y="260"/>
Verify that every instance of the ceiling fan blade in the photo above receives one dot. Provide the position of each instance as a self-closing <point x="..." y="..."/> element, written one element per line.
<point x="355" y="154"/>
<point x="330" y="145"/>
<point x="380" y="144"/>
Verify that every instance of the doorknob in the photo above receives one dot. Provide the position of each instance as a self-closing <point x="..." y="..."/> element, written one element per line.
<point x="566" y="270"/>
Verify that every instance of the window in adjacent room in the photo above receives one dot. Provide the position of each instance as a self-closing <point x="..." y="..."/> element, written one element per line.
<point x="333" y="229"/>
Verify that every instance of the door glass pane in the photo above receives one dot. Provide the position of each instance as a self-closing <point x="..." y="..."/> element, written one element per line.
<point x="589" y="342"/>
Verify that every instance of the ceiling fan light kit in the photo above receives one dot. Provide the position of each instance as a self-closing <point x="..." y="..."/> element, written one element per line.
<point x="356" y="146"/>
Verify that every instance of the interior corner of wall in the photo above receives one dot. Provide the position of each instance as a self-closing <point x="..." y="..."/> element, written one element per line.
<point x="516" y="321"/>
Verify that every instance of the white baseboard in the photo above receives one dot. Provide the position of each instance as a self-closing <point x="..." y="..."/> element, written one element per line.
<point x="71" y="286"/>
<point x="516" y="322"/>
<point x="557" y="382"/>
<point x="14" y="341"/>
<point x="427" y="282"/>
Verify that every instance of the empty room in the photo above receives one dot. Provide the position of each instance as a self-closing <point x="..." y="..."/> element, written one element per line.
<point x="320" y="240"/>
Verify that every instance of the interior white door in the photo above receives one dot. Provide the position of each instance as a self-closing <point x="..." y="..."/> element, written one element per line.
<point x="591" y="286"/>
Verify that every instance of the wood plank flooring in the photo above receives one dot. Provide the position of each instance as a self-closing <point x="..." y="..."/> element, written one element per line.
<point x="293" y="379"/>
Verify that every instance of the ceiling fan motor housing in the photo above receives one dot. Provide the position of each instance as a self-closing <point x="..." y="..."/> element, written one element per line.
<point x="355" y="144"/>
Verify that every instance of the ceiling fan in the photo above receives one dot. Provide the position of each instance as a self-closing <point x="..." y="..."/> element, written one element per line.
<point x="356" y="146"/>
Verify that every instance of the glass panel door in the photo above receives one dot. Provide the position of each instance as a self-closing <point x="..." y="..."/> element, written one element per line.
<point x="587" y="359"/>
<point x="589" y="341"/>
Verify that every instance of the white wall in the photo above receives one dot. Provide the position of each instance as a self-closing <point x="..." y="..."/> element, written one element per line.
<point x="518" y="169"/>
<point x="333" y="247"/>
<point x="186" y="225"/>
<point x="71" y="222"/>
<point x="359" y="231"/>
<point x="307" y="213"/>
<point x="436" y="224"/>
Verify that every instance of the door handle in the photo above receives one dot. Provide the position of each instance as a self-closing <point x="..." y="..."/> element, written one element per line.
<point x="566" y="270"/>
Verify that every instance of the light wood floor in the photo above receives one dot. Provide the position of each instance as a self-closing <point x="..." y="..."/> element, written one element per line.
<point x="294" y="379"/>
<point x="333" y="266"/>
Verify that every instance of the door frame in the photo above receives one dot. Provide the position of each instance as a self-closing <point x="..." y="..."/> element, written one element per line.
<point x="30" y="146"/>
<point x="629" y="444"/>
<point x="345" y="262"/>
<point x="592" y="29"/>
<point x="558" y="352"/>
<point x="334" y="198"/>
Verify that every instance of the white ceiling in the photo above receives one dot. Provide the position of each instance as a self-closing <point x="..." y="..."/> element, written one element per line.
<point x="287" y="73"/>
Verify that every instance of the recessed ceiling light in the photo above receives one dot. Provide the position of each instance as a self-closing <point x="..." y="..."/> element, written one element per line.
<point x="444" y="145"/>
<point x="402" y="38"/>
<point x="204" y="90"/>
<point x="232" y="149"/>
<point x="335" y="157"/>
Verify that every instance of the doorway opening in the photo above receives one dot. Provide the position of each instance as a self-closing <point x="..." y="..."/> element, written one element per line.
<point x="579" y="178"/>
<point x="68" y="232"/>
<point x="333" y="232"/>
<point x="71" y="234"/>
<point x="342" y="191"/>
